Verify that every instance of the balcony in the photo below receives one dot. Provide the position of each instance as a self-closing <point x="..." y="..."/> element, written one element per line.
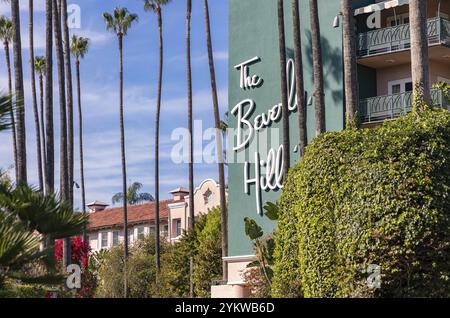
<point x="396" y="39"/>
<point x="379" y="108"/>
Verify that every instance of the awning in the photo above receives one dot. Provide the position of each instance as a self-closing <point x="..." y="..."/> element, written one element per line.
<point x="381" y="6"/>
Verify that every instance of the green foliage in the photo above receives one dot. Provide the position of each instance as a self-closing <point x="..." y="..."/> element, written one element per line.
<point x="259" y="273"/>
<point x="208" y="260"/>
<point x="360" y="197"/>
<point x="174" y="277"/>
<point x="6" y="106"/>
<point x="17" y="290"/>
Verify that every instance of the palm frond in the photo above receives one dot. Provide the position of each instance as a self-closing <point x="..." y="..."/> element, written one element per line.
<point x="6" y="107"/>
<point x="79" y="46"/>
<point x="6" y="29"/>
<point x="39" y="64"/>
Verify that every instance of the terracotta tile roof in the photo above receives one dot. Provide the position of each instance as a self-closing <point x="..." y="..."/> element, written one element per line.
<point x="136" y="214"/>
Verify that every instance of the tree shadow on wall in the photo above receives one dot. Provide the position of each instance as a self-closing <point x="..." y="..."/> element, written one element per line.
<point x="332" y="65"/>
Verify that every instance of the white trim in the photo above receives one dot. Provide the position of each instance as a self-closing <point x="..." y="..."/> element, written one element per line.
<point x="205" y="181"/>
<point x="443" y="79"/>
<point x="177" y="205"/>
<point x="238" y="259"/>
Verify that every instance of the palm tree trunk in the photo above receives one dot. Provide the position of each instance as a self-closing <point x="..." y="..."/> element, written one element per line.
<point x="319" y="94"/>
<point x="191" y="134"/>
<point x="69" y="90"/>
<point x="158" y="114"/>
<point x="217" y="123"/>
<point x="124" y="170"/>
<point x="284" y="96"/>
<point x="300" y="88"/>
<point x="13" y="120"/>
<point x="33" y="93"/>
<point x="80" y="132"/>
<point x="20" y="101"/>
<point x="64" y="186"/>
<point x="350" y="66"/>
<point x="42" y="124"/>
<point x="49" y="130"/>
<point x="419" y="49"/>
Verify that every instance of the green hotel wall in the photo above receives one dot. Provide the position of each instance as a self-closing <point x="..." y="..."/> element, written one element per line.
<point x="253" y="31"/>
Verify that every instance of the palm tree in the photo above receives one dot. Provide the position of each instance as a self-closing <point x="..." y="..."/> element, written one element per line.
<point x="134" y="196"/>
<point x="319" y="94"/>
<point x="119" y="22"/>
<point x="191" y="132"/>
<point x="69" y="90"/>
<point x="39" y="67"/>
<point x="64" y="169"/>
<point x="350" y="66"/>
<point x="155" y="6"/>
<point x="300" y="88"/>
<point x="6" y="35"/>
<point x="217" y="124"/>
<point x="49" y="130"/>
<point x="79" y="47"/>
<point x="284" y="96"/>
<point x="19" y="93"/>
<point x="33" y="94"/>
<point x="419" y="49"/>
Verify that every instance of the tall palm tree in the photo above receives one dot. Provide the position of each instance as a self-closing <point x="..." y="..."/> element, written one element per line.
<point x="79" y="47"/>
<point x="69" y="91"/>
<point x="300" y="87"/>
<point x="134" y="195"/>
<point x="39" y="67"/>
<point x="49" y="130"/>
<point x="6" y="35"/>
<point x="156" y="7"/>
<point x="419" y="49"/>
<point x="119" y="22"/>
<point x="350" y="66"/>
<point x="284" y="96"/>
<point x="191" y="133"/>
<point x="64" y="169"/>
<point x="319" y="93"/>
<point x="33" y="94"/>
<point x="217" y="125"/>
<point x="19" y="92"/>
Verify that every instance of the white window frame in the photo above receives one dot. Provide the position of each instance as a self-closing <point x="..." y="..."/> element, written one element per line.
<point x="178" y="221"/>
<point x="104" y="235"/>
<point x="118" y="238"/>
<point x="402" y="83"/>
<point x="137" y="232"/>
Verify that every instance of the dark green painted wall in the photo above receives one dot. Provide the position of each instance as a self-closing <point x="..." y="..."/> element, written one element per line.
<point x="253" y="31"/>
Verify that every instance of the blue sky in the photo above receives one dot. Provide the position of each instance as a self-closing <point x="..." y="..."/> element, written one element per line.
<point x="100" y="82"/>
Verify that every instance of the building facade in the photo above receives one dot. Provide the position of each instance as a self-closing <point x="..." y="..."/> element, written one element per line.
<point x="106" y="227"/>
<point x="384" y="88"/>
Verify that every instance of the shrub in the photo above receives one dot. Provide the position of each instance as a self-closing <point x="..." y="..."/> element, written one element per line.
<point x="360" y="197"/>
<point x="208" y="260"/>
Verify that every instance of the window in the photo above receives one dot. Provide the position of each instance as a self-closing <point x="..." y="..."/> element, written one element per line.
<point x="399" y="19"/>
<point x="165" y="230"/>
<point x="104" y="237"/>
<point x="152" y="229"/>
<point x="208" y="196"/>
<point x="140" y="233"/>
<point x="177" y="227"/>
<point x="400" y="86"/>
<point x="115" y="238"/>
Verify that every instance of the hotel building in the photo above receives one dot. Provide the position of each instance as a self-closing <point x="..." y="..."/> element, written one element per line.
<point x="384" y="87"/>
<point x="106" y="227"/>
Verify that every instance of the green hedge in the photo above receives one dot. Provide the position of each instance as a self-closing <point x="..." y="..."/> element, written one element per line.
<point x="371" y="196"/>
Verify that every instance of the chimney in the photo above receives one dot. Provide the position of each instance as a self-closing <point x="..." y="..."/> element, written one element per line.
<point x="179" y="193"/>
<point x="97" y="206"/>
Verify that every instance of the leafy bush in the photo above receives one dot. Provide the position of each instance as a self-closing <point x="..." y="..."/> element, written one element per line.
<point x="361" y="197"/>
<point x="208" y="260"/>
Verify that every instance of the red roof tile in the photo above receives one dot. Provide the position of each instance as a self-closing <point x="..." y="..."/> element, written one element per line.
<point x="136" y="214"/>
